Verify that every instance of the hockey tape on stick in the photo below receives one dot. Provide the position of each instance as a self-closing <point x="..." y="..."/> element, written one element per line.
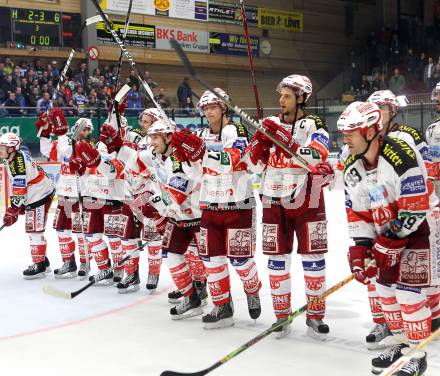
<point x="399" y="363"/>
<point x="237" y="110"/>
<point x="130" y="59"/>
<point x="53" y="291"/>
<point x="122" y="93"/>
<point x="264" y="334"/>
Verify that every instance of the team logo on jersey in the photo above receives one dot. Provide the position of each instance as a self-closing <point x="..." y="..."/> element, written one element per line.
<point x="317" y="236"/>
<point x="240" y="243"/>
<point x="225" y="159"/>
<point x="322" y="139"/>
<point x="414" y="267"/>
<point x="276" y="265"/>
<point x="348" y="202"/>
<point x="412" y="185"/>
<point x="178" y="183"/>
<point x="270" y="235"/>
<point x="377" y="194"/>
<point x="240" y="144"/>
<point x="434" y="151"/>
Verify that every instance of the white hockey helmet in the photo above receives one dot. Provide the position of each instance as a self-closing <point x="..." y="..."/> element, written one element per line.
<point x="385" y="97"/>
<point x="360" y="115"/>
<point x="153" y="112"/>
<point x="435" y="92"/>
<point x="10" y="140"/>
<point x="301" y="85"/>
<point x="208" y="98"/>
<point x="162" y="127"/>
<point x="87" y="124"/>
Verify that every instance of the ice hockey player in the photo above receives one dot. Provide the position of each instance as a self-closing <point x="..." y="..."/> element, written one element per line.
<point x="31" y="194"/>
<point x="389" y="106"/>
<point x="387" y="202"/>
<point x="227" y="227"/>
<point x="293" y="201"/>
<point x="433" y="139"/>
<point x="60" y="150"/>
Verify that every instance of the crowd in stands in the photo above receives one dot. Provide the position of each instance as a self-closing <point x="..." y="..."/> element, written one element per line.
<point x="26" y="89"/>
<point x="405" y="60"/>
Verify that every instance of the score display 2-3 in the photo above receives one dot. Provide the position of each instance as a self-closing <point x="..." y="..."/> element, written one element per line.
<point x="36" y="27"/>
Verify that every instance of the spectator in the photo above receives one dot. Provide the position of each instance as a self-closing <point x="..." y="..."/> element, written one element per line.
<point x="9" y="66"/>
<point x="133" y="80"/>
<point x="80" y="100"/>
<point x="421" y="66"/>
<point x="378" y="82"/>
<point x="436" y="75"/>
<point x="8" y="85"/>
<point x="23" y="68"/>
<point x="20" y="99"/>
<point x="43" y="104"/>
<point x="150" y="81"/>
<point x="12" y="106"/>
<point x="395" y="50"/>
<point x="81" y="76"/>
<point x="38" y="67"/>
<point x="364" y="89"/>
<point x="410" y="64"/>
<point x="134" y="102"/>
<point x="90" y="107"/>
<point x="33" y="98"/>
<point x="55" y="70"/>
<point x="397" y="82"/>
<point x="16" y="77"/>
<point x="59" y="102"/>
<point x="2" y="71"/>
<point x="70" y="110"/>
<point x="184" y="95"/>
<point x="162" y="99"/>
<point x="68" y="91"/>
<point x="102" y="100"/>
<point x="428" y="74"/>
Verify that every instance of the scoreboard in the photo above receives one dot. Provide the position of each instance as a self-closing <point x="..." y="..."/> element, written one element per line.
<point x="36" y="27"/>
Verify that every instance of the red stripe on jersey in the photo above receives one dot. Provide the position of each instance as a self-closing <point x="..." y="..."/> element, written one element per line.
<point x="359" y="216"/>
<point x="37" y="179"/>
<point x="320" y="148"/>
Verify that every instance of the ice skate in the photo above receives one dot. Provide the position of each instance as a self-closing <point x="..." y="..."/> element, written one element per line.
<point x="174" y="297"/>
<point x="67" y="270"/>
<point x="129" y="284"/>
<point x="416" y="366"/>
<point x="117" y="275"/>
<point x="201" y="288"/>
<point x="387" y="358"/>
<point x="152" y="281"/>
<point x="221" y="316"/>
<point x="254" y="305"/>
<point x="189" y="306"/>
<point x="282" y="331"/>
<point x="36" y="271"/>
<point x="317" y="329"/>
<point x="83" y="271"/>
<point x="375" y="339"/>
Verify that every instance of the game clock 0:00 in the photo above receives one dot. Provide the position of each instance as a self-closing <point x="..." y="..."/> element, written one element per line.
<point x="36" y="27"/>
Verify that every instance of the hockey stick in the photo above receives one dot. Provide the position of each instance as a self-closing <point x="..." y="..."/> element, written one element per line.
<point x="264" y="334"/>
<point x="3" y="226"/>
<point x="238" y="111"/>
<point x="115" y="87"/>
<point x="87" y="22"/>
<point x="50" y="290"/>
<point x="129" y="58"/>
<point x="251" y="60"/>
<point x="399" y="363"/>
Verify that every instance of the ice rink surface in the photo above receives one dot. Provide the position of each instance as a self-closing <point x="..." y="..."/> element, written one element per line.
<point x="103" y="332"/>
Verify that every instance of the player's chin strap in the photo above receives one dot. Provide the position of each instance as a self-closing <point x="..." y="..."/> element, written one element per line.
<point x="368" y="144"/>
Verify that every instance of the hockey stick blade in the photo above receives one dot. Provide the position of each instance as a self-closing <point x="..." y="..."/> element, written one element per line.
<point x="122" y="93"/>
<point x="94" y="19"/>
<point x="264" y="334"/>
<point x="238" y="111"/>
<point x="53" y="291"/>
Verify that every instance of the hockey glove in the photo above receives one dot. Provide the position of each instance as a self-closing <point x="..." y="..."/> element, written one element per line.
<point x="88" y="153"/>
<point x="110" y="137"/>
<point x="259" y="148"/>
<point x="282" y="135"/>
<point x="358" y="257"/>
<point x="322" y="168"/>
<point x="59" y="123"/>
<point x="76" y="165"/>
<point x="387" y="252"/>
<point x="189" y="144"/>
<point x="11" y="216"/>
<point x="43" y="123"/>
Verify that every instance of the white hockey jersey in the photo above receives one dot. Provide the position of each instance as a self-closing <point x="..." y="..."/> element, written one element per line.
<point x="60" y="150"/>
<point x="282" y="177"/>
<point x="225" y="181"/>
<point x="397" y="188"/>
<point x="28" y="182"/>
<point x="433" y="139"/>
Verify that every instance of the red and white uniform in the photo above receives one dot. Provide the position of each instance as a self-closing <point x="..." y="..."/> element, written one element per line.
<point x="396" y="188"/>
<point x="293" y="203"/>
<point x="228" y="218"/>
<point x="60" y="150"/>
<point x="33" y="191"/>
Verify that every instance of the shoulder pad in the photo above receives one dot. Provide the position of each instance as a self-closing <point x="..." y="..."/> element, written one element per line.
<point x="399" y="155"/>
<point x="320" y="123"/>
<point x="349" y="161"/>
<point x="17" y="166"/>
<point x="414" y="133"/>
<point x="241" y="129"/>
